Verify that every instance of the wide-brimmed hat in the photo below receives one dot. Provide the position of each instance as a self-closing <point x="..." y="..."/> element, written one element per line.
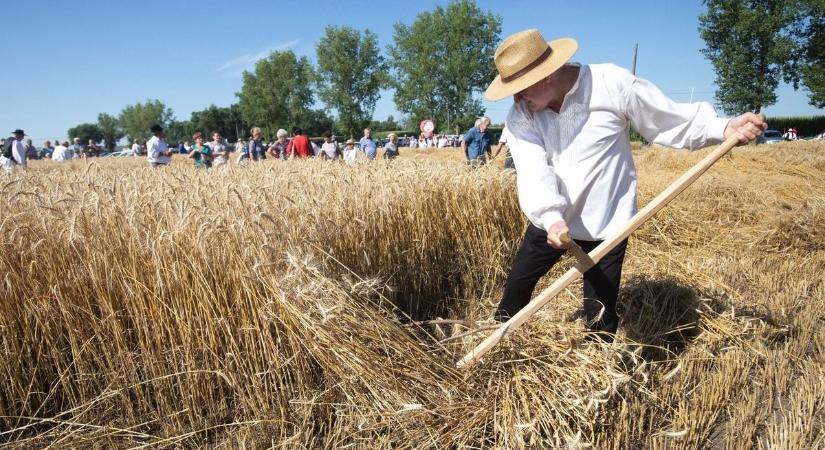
<point x="18" y="131"/>
<point x="524" y="59"/>
<point x="350" y="141"/>
<point x="392" y="135"/>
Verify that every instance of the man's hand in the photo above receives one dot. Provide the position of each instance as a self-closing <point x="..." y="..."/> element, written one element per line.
<point x="553" y="233"/>
<point x="745" y="127"/>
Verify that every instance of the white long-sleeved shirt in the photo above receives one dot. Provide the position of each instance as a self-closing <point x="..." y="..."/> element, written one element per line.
<point x="155" y="147"/>
<point x="60" y="153"/>
<point x="576" y="165"/>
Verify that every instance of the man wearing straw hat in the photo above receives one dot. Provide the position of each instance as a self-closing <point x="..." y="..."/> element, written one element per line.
<point x="14" y="151"/>
<point x="570" y="143"/>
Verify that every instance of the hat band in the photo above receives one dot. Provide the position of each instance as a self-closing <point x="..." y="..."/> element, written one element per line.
<point x="543" y="57"/>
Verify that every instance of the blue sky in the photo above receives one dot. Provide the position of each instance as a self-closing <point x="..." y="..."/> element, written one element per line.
<point x="68" y="61"/>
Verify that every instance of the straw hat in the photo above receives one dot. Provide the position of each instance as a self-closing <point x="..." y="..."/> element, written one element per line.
<point x="350" y="141"/>
<point x="524" y="59"/>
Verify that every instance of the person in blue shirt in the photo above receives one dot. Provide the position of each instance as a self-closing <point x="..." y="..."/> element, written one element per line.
<point x="368" y="146"/>
<point x="476" y="143"/>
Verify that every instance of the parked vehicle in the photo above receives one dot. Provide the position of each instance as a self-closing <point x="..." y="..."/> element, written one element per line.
<point x="770" y="137"/>
<point x="119" y="154"/>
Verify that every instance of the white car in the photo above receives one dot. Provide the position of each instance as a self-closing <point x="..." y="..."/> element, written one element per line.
<point x="120" y="154"/>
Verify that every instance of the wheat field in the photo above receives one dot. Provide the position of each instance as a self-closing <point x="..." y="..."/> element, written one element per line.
<point x="309" y="304"/>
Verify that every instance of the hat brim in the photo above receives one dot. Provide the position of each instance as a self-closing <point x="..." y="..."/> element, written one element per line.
<point x="563" y="50"/>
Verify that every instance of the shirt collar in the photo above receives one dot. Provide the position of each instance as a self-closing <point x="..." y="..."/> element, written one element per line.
<point x="575" y="86"/>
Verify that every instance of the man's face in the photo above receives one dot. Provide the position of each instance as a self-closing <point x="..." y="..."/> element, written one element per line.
<point x="367" y="133"/>
<point x="18" y="136"/>
<point x="537" y="96"/>
<point x="216" y="137"/>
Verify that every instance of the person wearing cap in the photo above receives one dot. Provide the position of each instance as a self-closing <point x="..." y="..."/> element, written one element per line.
<point x="391" y="148"/>
<point x="476" y="143"/>
<point x="157" y="152"/>
<point x="350" y="152"/>
<point x="14" y="151"/>
<point x="570" y="144"/>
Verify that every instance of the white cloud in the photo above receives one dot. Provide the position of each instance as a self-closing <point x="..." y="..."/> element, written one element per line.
<point x="236" y="66"/>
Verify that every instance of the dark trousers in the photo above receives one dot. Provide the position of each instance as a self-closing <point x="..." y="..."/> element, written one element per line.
<point x="601" y="282"/>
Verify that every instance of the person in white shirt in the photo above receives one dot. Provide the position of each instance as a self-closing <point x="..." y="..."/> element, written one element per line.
<point x="14" y="152"/>
<point x="442" y="141"/>
<point x="329" y="150"/>
<point x="157" y="152"/>
<point x="137" y="149"/>
<point x="350" y="152"/>
<point x="502" y="143"/>
<point x="569" y="140"/>
<point x="61" y="152"/>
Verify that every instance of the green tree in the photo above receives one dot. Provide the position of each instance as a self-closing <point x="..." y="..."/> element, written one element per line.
<point x="225" y="120"/>
<point x="316" y="122"/>
<point x="385" y="125"/>
<point x="179" y="131"/>
<point x="442" y="60"/>
<point x="86" y="131"/>
<point x="809" y="28"/>
<point x="109" y="129"/>
<point x="278" y="94"/>
<point x="135" y="120"/>
<point x="351" y="72"/>
<point x="750" y="49"/>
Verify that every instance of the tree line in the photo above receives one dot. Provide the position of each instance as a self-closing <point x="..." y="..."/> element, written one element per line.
<point x="437" y="67"/>
<point x="755" y="44"/>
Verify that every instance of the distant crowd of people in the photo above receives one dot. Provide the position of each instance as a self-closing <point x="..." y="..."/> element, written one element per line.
<point x="216" y="151"/>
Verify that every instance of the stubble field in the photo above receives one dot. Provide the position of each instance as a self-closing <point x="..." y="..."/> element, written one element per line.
<point x="308" y="304"/>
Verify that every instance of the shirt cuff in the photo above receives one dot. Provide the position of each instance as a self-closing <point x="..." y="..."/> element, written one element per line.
<point x="549" y="218"/>
<point x="716" y="129"/>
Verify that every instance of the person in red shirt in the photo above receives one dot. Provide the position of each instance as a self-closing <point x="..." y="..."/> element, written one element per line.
<point x="299" y="146"/>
